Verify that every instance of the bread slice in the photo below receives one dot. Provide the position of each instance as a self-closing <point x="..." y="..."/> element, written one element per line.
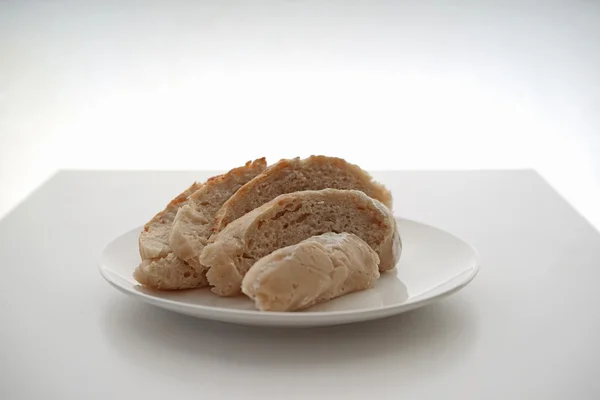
<point x="287" y="176"/>
<point x="160" y="267"/>
<point x="290" y="218"/>
<point x="315" y="270"/>
<point x="194" y="221"/>
<point x="154" y="239"/>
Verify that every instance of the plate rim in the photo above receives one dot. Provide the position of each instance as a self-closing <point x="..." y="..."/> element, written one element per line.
<point x="208" y="311"/>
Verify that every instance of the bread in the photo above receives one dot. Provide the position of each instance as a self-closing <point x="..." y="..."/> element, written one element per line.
<point x="160" y="267"/>
<point x="194" y="221"/>
<point x="169" y="273"/>
<point x="290" y="218"/>
<point x="287" y="176"/>
<point x="315" y="270"/>
<point x="154" y="239"/>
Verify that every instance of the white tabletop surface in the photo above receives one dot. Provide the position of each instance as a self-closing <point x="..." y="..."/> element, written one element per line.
<point x="526" y="328"/>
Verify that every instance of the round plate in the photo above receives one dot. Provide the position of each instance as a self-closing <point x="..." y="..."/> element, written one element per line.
<point x="433" y="264"/>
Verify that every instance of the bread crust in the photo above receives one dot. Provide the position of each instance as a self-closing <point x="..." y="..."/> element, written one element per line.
<point x="313" y="271"/>
<point x="168" y="273"/>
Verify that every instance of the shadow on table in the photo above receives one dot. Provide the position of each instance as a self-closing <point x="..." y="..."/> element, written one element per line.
<point x="429" y="339"/>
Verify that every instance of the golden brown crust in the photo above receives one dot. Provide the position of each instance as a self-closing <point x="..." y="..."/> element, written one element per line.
<point x="239" y="171"/>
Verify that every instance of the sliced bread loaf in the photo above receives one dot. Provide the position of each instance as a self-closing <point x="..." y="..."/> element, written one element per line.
<point x="315" y="270"/>
<point x="194" y="221"/>
<point x="287" y="176"/>
<point x="290" y="218"/>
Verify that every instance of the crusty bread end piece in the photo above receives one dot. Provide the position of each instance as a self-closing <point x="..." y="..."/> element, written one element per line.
<point x="294" y="175"/>
<point x="161" y="268"/>
<point x="291" y="218"/>
<point x="154" y="239"/>
<point x="315" y="270"/>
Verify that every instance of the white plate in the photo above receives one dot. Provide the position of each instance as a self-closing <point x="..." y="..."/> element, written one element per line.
<point x="433" y="264"/>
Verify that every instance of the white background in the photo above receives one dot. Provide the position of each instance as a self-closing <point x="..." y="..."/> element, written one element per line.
<point x="387" y="85"/>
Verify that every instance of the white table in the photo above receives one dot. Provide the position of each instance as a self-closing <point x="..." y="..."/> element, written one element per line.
<point x="526" y="328"/>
